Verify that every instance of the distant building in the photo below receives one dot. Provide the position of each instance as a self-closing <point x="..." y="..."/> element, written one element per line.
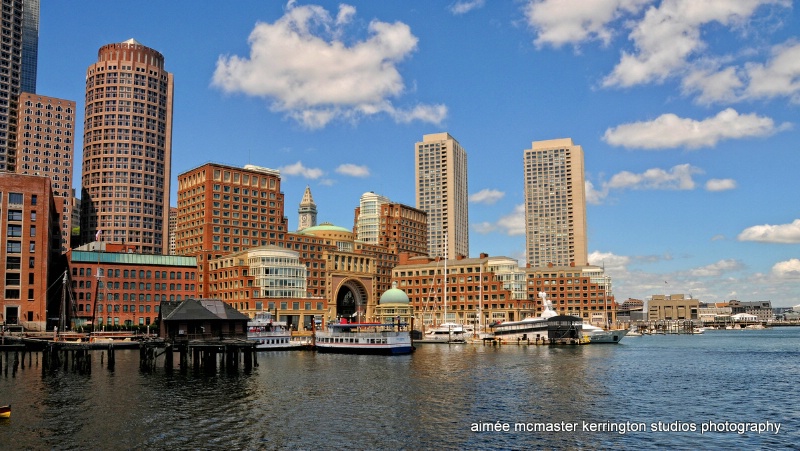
<point x="30" y="253"/>
<point x="307" y="212"/>
<point x="113" y="286"/>
<point x="398" y="227"/>
<point x="673" y="307"/>
<point x="555" y="204"/>
<point x="440" y="165"/>
<point x="127" y="148"/>
<point x="173" y="222"/>
<point x="45" y="146"/>
<point x="761" y="309"/>
<point x="714" y="312"/>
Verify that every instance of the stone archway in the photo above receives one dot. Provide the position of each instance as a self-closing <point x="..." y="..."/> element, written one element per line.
<point x="351" y="301"/>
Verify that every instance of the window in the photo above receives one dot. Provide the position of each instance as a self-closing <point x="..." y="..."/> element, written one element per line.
<point x="15" y="198"/>
<point x="15" y="215"/>
<point x="13" y="262"/>
<point x="13" y="247"/>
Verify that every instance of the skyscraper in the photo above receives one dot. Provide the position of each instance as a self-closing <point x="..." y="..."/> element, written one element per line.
<point x="46" y="146"/>
<point x="555" y="204"/>
<point x="20" y="31"/>
<point x="127" y="148"/>
<point x="398" y="227"/>
<point x="440" y="166"/>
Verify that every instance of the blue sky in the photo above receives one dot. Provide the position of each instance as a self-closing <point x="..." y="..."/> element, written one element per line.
<point x="687" y="112"/>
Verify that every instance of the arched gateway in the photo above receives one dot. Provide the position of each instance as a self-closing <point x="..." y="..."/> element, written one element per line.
<point x="352" y="299"/>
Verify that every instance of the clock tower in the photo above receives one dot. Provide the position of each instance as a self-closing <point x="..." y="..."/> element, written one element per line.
<point x="307" y="213"/>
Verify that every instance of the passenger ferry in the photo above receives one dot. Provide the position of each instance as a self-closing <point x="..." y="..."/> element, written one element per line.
<point x="364" y="338"/>
<point x="271" y="335"/>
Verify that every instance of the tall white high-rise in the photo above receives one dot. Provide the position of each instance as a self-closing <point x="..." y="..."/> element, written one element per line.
<point x="440" y="166"/>
<point x="555" y="204"/>
<point x="368" y="226"/>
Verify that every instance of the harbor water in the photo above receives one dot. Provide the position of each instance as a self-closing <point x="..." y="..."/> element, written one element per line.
<point x="724" y="389"/>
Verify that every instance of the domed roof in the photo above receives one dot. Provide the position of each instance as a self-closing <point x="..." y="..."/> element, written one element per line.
<point x="394" y="295"/>
<point x="325" y="227"/>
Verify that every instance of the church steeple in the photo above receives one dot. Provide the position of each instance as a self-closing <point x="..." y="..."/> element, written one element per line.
<point x="307" y="213"/>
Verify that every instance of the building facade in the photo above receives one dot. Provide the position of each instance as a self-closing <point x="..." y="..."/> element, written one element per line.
<point x="555" y="204"/>
<point x="30" y="230"/>
<point x="20" y="30"/>
<point x="481" y="291"/>
<point x="582" y="291"/>
<point x="397" y="227"/>
<point x="112" y="286"/>
<point x="672" y="307"/>
<point x="127" y="148"/>
<point x="440" y="167"/>
<point x="45" y="146"/>
<point x="224" y="209"/>
<point x="173" y="223"/>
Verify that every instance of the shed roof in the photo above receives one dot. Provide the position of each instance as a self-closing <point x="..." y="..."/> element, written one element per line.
<point x="201" y="309"/>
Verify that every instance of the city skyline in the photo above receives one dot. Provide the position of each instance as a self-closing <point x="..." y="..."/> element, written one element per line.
<point x="688" y="141"/>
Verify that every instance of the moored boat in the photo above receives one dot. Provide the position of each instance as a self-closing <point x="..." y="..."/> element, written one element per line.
<point x="364" y="338"/>
<point x="445" y="333"/>
<point x="598" y="335"/>
<point x="271" y="335"/>
<point x="532" y="328"/>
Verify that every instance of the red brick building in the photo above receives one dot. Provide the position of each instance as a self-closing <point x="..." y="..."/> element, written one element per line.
<point x="112" y="286"/>
<point x="31" y="237"/>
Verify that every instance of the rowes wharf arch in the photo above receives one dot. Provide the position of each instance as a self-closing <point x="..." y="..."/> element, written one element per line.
<point x="355" y="300"/>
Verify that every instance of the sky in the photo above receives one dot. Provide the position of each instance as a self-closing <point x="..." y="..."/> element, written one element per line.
<point x="686" y="110"/>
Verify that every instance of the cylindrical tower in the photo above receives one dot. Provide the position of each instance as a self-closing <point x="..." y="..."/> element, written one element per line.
<point x="127" y="147"/>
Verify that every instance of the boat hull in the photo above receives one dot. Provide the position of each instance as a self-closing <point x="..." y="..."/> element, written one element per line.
<point x="365" y="349"/>
<point x="607" y="336"/>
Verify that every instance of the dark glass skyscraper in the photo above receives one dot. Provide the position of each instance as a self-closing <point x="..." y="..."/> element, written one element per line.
<point x="20" y="35"/>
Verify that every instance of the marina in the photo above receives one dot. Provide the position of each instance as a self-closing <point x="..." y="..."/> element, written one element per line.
<point x="407" y="401"/>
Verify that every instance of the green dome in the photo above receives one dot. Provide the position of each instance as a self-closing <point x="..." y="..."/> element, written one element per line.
<point x="394" y="295"/>
<point x="325" y="227"/>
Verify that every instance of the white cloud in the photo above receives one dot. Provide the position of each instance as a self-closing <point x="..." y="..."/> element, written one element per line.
<point x="670" y="131"/>
<point x="512" y="224"/>
<point x="353" y="170"/>
<point x="787" y="269"/>
<point x="609" y="261"/>
<point x="559" y="22"/>
<point x="486" y="196"/>
<point x="717" y="269"/>
<point x="670" y="34"/>
<point x="594" y="196"/>
<point x="677" y="178"/>
<point x="779" y="77"/>
<point x="783" y="233"/>
<point x="465" y="6"/>
<point x="299" y="169"/>
<point x="720" y="184"/>
<point x="300" y="64"/>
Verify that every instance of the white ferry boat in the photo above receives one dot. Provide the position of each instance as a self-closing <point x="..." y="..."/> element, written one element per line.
<point x="271" y="335"/>
<point x="364" y="338"/>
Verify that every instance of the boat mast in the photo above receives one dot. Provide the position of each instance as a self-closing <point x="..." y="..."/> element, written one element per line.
<point x="62" y="316"/>
<point x="445" y="277"/>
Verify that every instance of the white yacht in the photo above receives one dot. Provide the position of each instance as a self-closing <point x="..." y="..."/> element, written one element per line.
<point x="271" y="335"/>
<point x="530" y="328"/>
<point x="445" y="333"/>
<point x="599" y="335"/>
